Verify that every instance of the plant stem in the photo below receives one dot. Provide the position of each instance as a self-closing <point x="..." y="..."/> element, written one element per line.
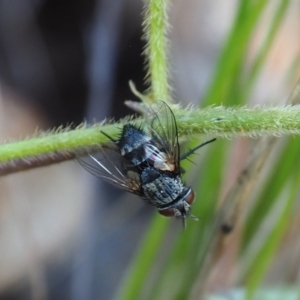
<point x="215" y="121"/>
<point x="155" y="27"/>
<point x="242" y="121"/>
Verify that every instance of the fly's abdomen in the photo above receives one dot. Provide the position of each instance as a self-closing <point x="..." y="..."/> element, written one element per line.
<point x="137" y="147"/>
<point x="132" y="144"/>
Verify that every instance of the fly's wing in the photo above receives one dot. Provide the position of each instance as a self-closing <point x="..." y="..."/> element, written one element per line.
<point x="163" y="129"/>
<point x="108" y="164"/>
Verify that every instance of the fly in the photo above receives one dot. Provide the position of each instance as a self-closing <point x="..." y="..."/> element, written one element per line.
<point x="145" y="161"/>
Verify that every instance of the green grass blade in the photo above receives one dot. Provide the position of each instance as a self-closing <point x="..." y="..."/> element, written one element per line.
<point x="136" y="276"/>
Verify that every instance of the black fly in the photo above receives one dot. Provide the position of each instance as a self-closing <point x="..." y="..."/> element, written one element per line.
<point x="145" y="160"/>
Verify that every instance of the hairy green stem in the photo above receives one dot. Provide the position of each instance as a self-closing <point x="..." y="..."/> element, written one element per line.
<point x="215" y="121"/>
<point x="155" y="27"/>
<point x="251" y="122"/>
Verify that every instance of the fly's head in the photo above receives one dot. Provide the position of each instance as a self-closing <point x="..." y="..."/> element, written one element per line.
<point x="181" y="208"/>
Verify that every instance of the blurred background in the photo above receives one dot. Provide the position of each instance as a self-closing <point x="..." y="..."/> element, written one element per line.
<point x="63" y="233"/>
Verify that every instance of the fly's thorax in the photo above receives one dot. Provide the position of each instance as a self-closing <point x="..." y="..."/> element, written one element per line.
<point x="161" y="188"/>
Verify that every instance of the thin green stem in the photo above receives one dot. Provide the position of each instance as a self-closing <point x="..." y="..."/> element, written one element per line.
<point x="155" y="27"/>
<point x="251" y="122"/>
<point x="215" y="121"/>
<point x="135" y="277"/>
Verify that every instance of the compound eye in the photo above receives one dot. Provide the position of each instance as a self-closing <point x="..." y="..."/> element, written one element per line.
<point x="190" y="197"/>
<point x="169" y="212"/>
